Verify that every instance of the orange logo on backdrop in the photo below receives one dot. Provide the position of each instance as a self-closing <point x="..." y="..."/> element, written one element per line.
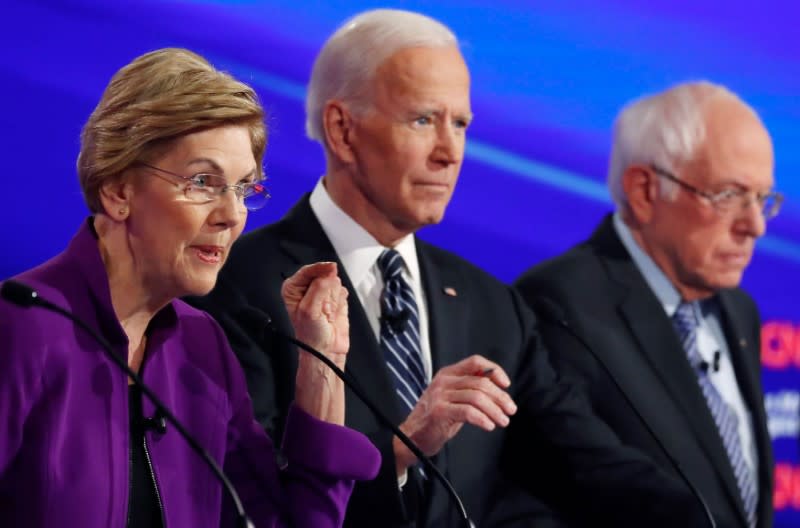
<point x="780" y="345"/>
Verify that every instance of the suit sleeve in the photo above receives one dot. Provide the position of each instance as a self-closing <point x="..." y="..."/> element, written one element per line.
<point x="560" y="449"/>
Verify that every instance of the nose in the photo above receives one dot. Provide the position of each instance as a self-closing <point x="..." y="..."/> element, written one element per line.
<point x="229" y="210"/>
<point x="449" y="144"/>
<point x="751" y="220"/>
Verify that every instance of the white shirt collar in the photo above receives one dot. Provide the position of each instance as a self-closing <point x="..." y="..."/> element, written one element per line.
<point x="357" y="249"/>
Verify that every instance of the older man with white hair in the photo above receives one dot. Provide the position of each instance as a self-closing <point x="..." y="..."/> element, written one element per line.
<point x="654" y="292"/>
<point x="450" y="353"/>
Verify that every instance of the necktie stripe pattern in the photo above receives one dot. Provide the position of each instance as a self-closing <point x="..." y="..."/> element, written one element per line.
<point x="399" y="336"/>
<point x="685" y="322"/>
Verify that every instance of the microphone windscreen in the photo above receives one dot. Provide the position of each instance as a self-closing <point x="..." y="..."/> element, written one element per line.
<point x="18" y="293"/>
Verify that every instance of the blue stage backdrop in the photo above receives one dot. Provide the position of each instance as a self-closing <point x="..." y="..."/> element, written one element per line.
<point x="548" y="79"/>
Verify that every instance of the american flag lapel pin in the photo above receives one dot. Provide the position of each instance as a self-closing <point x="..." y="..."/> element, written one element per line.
<point x="450" y="291"/>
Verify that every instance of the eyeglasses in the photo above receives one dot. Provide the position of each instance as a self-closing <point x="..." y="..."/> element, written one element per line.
<point x="203" y="187"/>
<point x="730" y="200"/>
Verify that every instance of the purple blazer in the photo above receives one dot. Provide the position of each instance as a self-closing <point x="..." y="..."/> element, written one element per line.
<point x="64" y="430"/>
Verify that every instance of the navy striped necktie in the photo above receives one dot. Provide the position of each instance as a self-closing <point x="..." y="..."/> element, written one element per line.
<point x="686" y="324"/>
<point x="399" y="337"/>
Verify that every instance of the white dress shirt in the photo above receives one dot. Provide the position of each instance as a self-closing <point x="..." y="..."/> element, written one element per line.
<point x="359" y="252"/>
<point x="710" y="340"/>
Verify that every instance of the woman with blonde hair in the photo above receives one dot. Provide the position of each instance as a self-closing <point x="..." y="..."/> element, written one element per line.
<point x="170" y="163"/>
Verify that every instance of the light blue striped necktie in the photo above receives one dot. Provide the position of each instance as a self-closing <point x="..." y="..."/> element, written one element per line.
<point x="685" y="322"/>
<point x="399" y="338"/>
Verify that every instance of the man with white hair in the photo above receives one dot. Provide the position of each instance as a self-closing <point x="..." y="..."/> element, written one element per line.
<point x="654" y="292"/>
<point x="450" y="353"/>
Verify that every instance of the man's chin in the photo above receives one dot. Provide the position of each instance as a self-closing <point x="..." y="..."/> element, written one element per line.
<point x="433" y="217"/>
<point x="728" y="279"/>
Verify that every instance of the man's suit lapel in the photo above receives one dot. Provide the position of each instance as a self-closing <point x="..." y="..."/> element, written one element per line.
<point x="447" y="308"/>
<point x="659" y="344"/>
<point x="305" y="242"/>
<point x="447" y="305"/>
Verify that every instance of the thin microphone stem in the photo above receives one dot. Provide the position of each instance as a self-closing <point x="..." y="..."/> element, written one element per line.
<point x="244" y="521"/>
<point x="551" y="311"/>
<point x="352" y="384"/>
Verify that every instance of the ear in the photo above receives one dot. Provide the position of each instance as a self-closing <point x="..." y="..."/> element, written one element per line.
<point x="641" y="189"/>
<point x="116" y="198"/>
<point x="338" y="125"/>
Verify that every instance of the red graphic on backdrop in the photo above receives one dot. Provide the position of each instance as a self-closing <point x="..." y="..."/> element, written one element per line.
<point x="780" y="345"/>
<point x="787" y="487"/>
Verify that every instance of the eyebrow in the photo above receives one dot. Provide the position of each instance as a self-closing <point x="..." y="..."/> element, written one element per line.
<point x="208" y="161"/>
<point x="740" y="185"/>
<point x="467" y="116"/>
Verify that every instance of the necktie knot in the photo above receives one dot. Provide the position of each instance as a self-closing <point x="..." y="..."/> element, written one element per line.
<point x="685" y="318"/>
<point x="391" y="264"/>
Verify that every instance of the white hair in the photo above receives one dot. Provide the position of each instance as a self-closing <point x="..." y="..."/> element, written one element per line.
<point x="350" y="57"/>
<point x="664" y="129"/>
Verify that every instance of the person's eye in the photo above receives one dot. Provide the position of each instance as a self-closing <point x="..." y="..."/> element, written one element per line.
<point x="461" y="123"/>
<point x="207" y="181"/>
<point x="423" y="120"/>
<point x="727" y="196"/>
<point x="201" y="180"/>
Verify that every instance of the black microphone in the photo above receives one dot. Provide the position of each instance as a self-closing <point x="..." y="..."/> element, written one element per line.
<point x="258" y="321"/>
<point x="25" y="296"/>
<point x="552" y="312"/>
<point x="396" y="320"/>
<point x="157" y="423"/>
<point x="714" y="366"/>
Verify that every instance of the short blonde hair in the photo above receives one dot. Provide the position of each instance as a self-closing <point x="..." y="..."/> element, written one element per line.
<point x="158" y="97"/>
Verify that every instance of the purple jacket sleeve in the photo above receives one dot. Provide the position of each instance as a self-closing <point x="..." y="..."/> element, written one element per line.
<point x="319" y="465"/>
<point x="20" y="379"/>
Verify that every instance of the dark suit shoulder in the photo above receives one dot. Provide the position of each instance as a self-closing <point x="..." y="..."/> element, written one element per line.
<point x="741" y="299"/>
<point x="574" y="273"/>
<point x="455" y="264"/>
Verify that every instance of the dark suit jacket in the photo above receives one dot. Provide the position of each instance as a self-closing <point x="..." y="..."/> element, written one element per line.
<point x="485" y="317"/>
<point x="608" y="303"/>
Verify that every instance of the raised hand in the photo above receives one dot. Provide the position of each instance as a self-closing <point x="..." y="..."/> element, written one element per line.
<point x="316" y="303"/>
<point x="470" y="391"/>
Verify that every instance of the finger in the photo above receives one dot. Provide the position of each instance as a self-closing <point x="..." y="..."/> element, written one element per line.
<point x="465" y="413"/>
<point x="342" y="308"/>
<point x="303" y="277"/>
<point x="481" y="402"/>
<point x="487" y="387"/>
<point x="480" y="367"/>
<point x="319" y="298"/>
